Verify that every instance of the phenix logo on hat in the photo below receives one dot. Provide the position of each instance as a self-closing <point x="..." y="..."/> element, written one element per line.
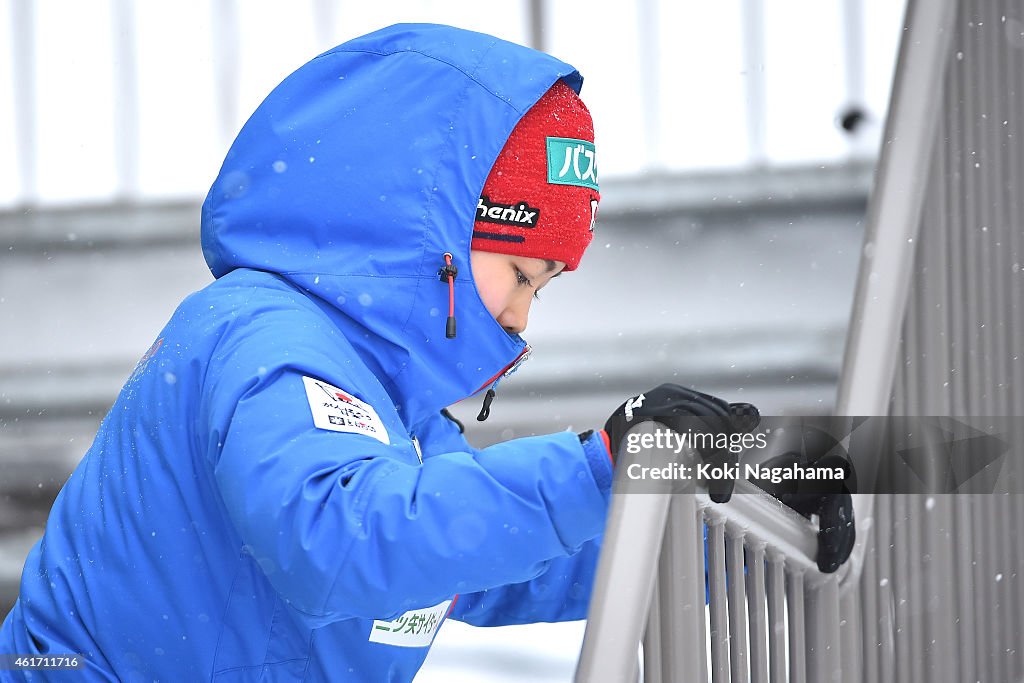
<point x="540" y="199"/>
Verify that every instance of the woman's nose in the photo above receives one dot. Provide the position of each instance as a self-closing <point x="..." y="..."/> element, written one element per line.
<point x="515" y="316"/>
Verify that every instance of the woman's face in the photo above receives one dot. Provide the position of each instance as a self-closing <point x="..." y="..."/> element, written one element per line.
<point x="509" y="284"/>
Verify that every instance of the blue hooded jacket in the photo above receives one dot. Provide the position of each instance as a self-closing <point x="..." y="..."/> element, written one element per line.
<point x="255" y="505"/>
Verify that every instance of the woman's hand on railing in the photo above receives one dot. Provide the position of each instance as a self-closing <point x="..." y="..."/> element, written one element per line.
<point x="830" y="500"/>
<point x="671" y="405"/>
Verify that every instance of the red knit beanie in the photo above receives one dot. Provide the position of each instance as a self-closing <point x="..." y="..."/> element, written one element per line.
<point x="540" y="199"/>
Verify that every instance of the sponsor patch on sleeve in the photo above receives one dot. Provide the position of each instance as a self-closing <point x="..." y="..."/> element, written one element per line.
<point x="413" y="629"/>
<point x="339" y="411"/>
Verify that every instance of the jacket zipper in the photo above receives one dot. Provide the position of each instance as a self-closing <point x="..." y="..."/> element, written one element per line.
<point x="485" y="409"/>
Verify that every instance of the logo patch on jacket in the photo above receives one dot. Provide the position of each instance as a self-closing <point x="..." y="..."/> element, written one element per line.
<point x="413" y="629"/>
<point x="340" y="411"/>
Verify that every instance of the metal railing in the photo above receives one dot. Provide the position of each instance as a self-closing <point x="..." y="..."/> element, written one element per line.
<point x="934" y="590"/>
<point x="770" y="612"/>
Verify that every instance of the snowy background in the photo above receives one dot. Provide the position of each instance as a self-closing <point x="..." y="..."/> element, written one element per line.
<point x="726" y="248"/>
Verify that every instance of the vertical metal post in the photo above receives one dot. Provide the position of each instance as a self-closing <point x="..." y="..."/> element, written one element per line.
<point x="797" y="631"/>
<point x="1013" y="128"/>
<point x="227" y="47"/>
<point x="623" y="587"/>
<point x="822" y="605"/>
<point x="718" y="602"/>
<point x="851" y="636"/>
<point x="1017" y="593"/>
<point x="700" y="592"/>
<point x="852" y="34"/>
<point x="756" y="605"/>
<point x="126" y="102"/>
<point x="625" y="580"/>
<point x="982" y="580"/>
<point x="680" y="594"/>
<point x="914" y="574"/>
<point x="648" y="26"/>
<point x="883" y="524"/>
<point x="740" y="669"/>
<point x="900" y="587"/>
<point x="325" y="21"/>
<point x="325" y="16"/>
<point x="963" y="524"/>
<point x="775" y="574"/>
<point x="752" y="16"/>
<point x="23" y="59"/>
<point x="868" y="598"/>
<point x="940" y="606"/>
<point x="1004" y="598"/>
<point x="537" y="21"/>
<point x="655" y="646"/>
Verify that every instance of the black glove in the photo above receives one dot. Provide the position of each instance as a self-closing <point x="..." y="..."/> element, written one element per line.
<point x="669" y="404"/>
<point x="830" y="500"/>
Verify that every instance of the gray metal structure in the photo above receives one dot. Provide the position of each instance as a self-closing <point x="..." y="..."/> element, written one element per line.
<point x="934" y="590"/>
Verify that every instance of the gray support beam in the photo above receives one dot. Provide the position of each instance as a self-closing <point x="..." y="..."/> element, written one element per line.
<point x="23" y="73"/>
<point x="895" y="209"/>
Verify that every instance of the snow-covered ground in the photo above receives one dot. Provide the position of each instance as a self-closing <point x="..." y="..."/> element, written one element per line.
<point x="539" y="653"/>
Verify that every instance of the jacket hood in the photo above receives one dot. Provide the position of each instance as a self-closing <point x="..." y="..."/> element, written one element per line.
<point x="355" y="176"/>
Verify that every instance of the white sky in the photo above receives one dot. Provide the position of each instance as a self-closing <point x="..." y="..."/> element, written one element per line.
<point x="671" y="98"/>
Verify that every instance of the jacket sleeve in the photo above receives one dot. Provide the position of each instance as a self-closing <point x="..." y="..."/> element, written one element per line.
<point x="561" y="593"/>
<point x="344" y="525"/>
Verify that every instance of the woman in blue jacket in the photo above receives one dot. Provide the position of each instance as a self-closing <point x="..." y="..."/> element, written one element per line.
<point x="276" y="493"/>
